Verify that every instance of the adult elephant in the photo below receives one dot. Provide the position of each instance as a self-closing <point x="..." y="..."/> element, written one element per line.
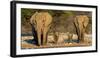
<point x="81" y="22"/>
<point x="41" y="21"/>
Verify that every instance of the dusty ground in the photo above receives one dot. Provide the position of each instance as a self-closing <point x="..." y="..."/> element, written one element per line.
<point x="27" y="43"/>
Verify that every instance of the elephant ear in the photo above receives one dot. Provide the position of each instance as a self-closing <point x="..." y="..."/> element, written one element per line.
<point x="75" y="21"/>
<point x="86" y="21"/>
<point x="33" y="18"/>
<point x="48" y="18"/>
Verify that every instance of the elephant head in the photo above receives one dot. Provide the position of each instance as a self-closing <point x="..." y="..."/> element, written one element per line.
<point x="41" y="21"/>
<point x="81" y="22"/>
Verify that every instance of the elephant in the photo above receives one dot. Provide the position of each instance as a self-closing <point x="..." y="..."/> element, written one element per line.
<point x="81" y="22"/>
<point x="70" y="37"/>
<point x="42" y="22"/>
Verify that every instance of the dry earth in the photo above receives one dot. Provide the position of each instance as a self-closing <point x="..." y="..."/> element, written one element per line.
<point x="26" y="43"/>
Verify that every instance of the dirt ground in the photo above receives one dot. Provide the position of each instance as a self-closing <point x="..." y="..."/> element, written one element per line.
<point x="27" y="43"/>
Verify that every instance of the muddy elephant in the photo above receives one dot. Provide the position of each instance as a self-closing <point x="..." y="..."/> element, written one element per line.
<point x="42" y="22"/>
<point x="81" y="22"/>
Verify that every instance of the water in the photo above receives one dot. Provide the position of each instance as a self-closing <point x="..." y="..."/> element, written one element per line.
<point x="71" y="41"/>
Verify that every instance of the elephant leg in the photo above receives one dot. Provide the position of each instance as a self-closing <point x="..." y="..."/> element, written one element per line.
<point x="82" y="37"/>
<point x="45" y="36"/>
<point x="83" y="34"/>
<point x="78" y="37"/>
<point x="78" y="33"/>
<point x="77" y="30"/>
<point x="34" y="33"/>
<point x="39" y="37"/>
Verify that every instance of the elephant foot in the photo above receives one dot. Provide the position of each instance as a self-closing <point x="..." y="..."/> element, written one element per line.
<point x="44" y="43"/>
<point x="78" y="41"/>
<point x="81" y="41"/>
<point x="39" y="43"/>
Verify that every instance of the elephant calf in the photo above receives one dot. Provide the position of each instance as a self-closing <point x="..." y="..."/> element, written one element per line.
<point x="41" y="22"/>
<point x="81" y="22"/>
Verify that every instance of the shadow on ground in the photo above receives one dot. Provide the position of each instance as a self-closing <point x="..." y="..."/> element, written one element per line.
<point x="31" y="41"/>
